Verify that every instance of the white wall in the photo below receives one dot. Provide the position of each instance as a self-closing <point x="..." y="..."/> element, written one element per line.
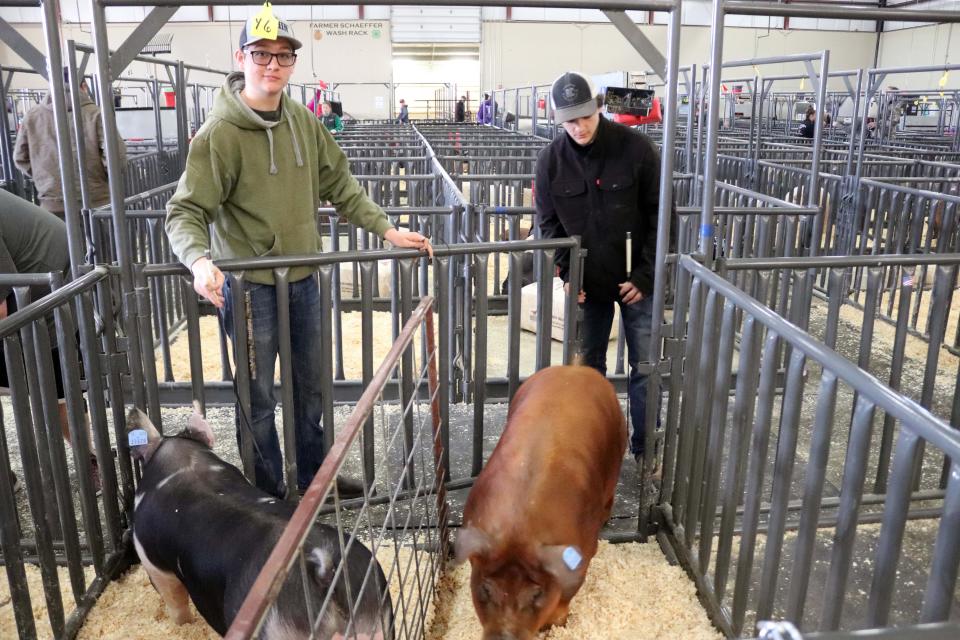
<point x="921" y="46"/>
<point x="526" y="53"/>
<point x="512" y="53"/>
<point x="333" y="51"/>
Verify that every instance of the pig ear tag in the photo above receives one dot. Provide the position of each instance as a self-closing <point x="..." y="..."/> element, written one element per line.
<point x="137" y="437"/>
<point x="572" y="558"/>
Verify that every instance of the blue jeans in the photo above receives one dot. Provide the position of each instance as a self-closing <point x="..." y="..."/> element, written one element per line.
<point x="305" y="318"/>
<point x="595" y="336"/>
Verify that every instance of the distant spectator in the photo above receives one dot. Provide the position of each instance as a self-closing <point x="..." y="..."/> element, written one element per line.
<point x="37" y="156"/>
<point x="485" y="112"/>
<point x="460" y="114"/>
<point x="809" y="125"/>
<point x="316" y="103"/>
<point x="330" y="120"/>
<point x="404" y="116"/>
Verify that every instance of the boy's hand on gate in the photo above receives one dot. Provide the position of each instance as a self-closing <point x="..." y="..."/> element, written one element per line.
<point x="408" y="240"/>
<point x="208" y="281"/>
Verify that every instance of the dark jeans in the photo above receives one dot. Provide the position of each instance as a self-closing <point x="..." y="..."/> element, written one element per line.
<point x="595" y="334"/>
<point x="305" y="318"/>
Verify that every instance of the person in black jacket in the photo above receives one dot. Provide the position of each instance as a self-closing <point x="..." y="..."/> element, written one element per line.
<point x="598" y="181"/>
<point x="461" y="109"/>
<point x="809" y="125"/>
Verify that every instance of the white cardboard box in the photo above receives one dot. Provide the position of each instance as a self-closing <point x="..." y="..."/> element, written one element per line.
<point x="528" y="311"/>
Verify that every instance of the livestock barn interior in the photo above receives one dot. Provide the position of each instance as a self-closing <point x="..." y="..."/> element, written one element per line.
<point x="801" y="475"/>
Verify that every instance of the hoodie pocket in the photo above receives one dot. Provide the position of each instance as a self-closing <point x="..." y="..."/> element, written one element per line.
<point x="273" y="247"/>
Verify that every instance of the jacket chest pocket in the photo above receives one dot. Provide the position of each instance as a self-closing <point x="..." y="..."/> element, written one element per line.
<point x="570" y="201"/>
<point x="568" y="188"/>
<point x="619" y="192"/>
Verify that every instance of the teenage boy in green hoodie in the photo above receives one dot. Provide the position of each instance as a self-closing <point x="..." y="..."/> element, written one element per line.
<point x="256" y="173"/>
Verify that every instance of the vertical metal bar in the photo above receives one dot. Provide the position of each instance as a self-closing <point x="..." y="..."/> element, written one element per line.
<point x="544" y="274"/>
<point x="946" y="556"/>
<point x="688" y="407"/>
<point x="366" y="357"/>
<point x="442" y="506"/>
<point x="56" y="455"/>
<point x="572" y="312"/>
<point x="326" y="355"/>
<point x="706" y="374"/>
<point x="406" y="376"/>
<point x="10" y="543"/>
<point x="896" y="508"/>
<point x="76" y="420"/>
<point x="481" y="261"/>
<point x="241" y="358"/>
<point x="145" y="334"/>
<point x="282" y="287"/>
<point x="896" y="373"/>
<point x="755" y="472"/>
<point x="441" y="270"/>
<point x="52" y="39"/>
<point x="192" y="318"/>
<point x="812" y="493"/>
<point x="851" y="493"/>
<point x="782" y="479"/>
<point x="513" y="324"/>
<point x="20" y="407"/>
<point x="718" y="422"/>
<point x="735" y="471"/>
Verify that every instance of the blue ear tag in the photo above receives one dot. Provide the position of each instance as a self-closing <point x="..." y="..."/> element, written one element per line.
<point x="137" y="437"/>
<point x="572" y="558"/>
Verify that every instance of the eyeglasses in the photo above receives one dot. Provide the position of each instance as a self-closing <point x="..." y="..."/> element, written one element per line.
<point x="263" y="58"/>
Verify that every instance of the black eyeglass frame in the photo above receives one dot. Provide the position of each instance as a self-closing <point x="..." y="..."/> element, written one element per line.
<point x="254" y="52"/>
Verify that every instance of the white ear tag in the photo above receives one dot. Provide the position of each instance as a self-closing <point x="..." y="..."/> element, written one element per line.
<point x="137" y="437"/>
<point x="572" y="558"/>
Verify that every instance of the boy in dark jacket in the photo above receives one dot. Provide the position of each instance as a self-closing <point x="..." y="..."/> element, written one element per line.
<point x="599" y="181"/>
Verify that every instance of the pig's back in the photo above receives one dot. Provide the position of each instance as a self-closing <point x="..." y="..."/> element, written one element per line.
<point x="557" y="463"/>
<point x="205" y="523"/>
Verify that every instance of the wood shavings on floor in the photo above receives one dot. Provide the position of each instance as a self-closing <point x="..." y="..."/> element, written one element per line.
<point x="631" y="591"/>
<point x="112" y="619"/>
<point x="8" y="621"/>
<point x="131" y="609"/>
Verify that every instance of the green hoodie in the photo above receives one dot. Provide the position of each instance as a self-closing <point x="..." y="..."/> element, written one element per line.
<point x="259" y="184"/>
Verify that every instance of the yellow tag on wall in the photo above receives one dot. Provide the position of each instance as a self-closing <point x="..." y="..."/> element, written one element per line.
<point x="265" y="24"/>
<point x="943" y="79"/>
<point x="802" y="82"/>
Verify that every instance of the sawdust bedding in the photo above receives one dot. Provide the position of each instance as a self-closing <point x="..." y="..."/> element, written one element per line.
<point x="630" y="592"/>
<point x="8" y="622"/>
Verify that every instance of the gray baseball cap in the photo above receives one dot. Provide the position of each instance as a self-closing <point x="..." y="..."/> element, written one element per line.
<point x="572" y="97"/>
<point x="284" y="30"/>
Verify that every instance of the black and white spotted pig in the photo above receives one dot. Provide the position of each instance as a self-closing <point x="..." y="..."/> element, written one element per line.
<point x="201" y="529"/>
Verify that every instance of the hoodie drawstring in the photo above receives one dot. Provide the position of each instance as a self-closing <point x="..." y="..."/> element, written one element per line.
<point x="296" y="144"/>
<point x="273" y="165"/>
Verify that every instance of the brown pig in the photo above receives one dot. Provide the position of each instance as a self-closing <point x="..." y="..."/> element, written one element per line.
<point x="534" y="514"/>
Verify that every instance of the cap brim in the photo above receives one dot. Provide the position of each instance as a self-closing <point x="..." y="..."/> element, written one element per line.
<point x="296" y="44"/>
<point x="582" y="110"/>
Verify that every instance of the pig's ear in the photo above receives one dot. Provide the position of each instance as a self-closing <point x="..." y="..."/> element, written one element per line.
<point x="142" y="436"/>
<point x="470" y="542"/>
<point x="566" y="564"/>
<point x="321" y="565"/>
<point x="198" y="427"/>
